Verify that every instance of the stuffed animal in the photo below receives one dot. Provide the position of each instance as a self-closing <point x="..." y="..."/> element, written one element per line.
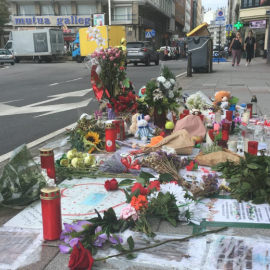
<point x="142" y="92"/>
<point x="144" y="132"/>
<point x="133" y="128"/>
<point x="222" y="99"/>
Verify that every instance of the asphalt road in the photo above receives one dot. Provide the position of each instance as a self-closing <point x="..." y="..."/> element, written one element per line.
<point x="38" y="99"/>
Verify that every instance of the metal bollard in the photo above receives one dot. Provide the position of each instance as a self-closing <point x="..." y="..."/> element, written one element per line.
<point x="189" y="68"/>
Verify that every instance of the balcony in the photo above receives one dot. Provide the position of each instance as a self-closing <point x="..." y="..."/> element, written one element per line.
<point x="253" y="13"/>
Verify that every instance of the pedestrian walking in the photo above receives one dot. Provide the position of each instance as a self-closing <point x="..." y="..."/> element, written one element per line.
<point x="236" y="49"/>
<point x="166" y="52"/>
<point x="249" y="47"/>
<point x="178" y="51"/>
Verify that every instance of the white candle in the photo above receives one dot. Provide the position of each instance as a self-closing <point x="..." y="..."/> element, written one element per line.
<point x="208" y="139"/>
<point x="217" y="117"/>
<point x="232" y="146"/>
<point x="246" y="116"/>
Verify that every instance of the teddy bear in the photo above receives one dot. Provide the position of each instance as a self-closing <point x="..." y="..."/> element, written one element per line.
<point x="144" y="132"/>
<point x="222" y="99"/>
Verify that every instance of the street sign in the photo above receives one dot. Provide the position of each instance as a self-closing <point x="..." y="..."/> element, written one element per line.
<point x="220" y="14"/>
<point x="153" y="33"/>
<point x="238" y="25"/>
<point x="228" y="33"/>
<point x="220" y="22"/>
<point x="148" y="35"/>
<point x="229" y="27"/>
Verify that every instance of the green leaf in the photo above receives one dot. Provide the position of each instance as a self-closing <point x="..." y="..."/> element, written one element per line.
<point x="126" y="83"/>
<point x="130" y="243"/>
<point x="146" y="175"/>
<point x="258" y="200"/>
<point x="126" y="182"/>
<point x="251" y="166"/>
<point x="267" y="180"/>
<point x="233" y="180"/>
<point x="172" y="221"/>
<point x="131" y="256"/>
<point x="99" y="216"/>
<point x="166" y="177"/>
<point x="128" y="196"/>
<point x="141" y="181"/>
<point x="135" y="193"/>
<point x="246" y="186"/>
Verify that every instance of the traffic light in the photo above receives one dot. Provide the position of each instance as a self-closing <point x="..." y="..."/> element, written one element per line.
<point x="238" y="25"/>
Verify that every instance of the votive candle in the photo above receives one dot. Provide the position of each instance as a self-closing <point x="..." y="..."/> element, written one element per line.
<point x="186" y="112"/>
<point x="246" y="116"/>
<point x="232" y="146"/>
<point x="216" y="127"/>
<point x="218" y="117"/>
<point x="249" y="106"/>
<point x="225" y="131"/>
<point x="253" y="147"/>
<point x="229" y="115"/>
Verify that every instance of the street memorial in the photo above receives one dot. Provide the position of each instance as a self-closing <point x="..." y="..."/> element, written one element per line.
<point x="147" y="157"/>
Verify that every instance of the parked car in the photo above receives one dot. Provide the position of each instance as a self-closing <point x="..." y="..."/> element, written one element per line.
<point x="142" y="52"/>
<point x="217" y="49"/>
<point x="6" y="57"/>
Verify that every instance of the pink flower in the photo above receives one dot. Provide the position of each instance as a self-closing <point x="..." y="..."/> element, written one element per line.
<point x="117" y="55"/>
<point x="112" y="58"/>
<point x="94" y="55"/>
<point x="114" y="65"/>
<point x="104" y="57"/>
<point x="128" y="212"/>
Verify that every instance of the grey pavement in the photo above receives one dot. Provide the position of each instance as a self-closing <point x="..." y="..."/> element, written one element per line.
<point x="243" y="82"/>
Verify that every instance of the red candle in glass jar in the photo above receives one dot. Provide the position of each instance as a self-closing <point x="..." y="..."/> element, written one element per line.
<point x="47" y="161"/>
<point x="253" y="147"/>
<point x="117" y="129"/>
<point x="201" y="116"/>
<point x="110" y="137"/>
<point x="182" y="115"/>
<point x="51" y="212"/>
<point x="186" y="112"/>
<point x="122" y="130"/>
<point x="226" y="131"/>
<point x="222" y="143"/>
<point x="249" y="106"/>
<point x="229" y="115"/>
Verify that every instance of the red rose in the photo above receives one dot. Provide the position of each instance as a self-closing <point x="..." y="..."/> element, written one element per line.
<point x="80" y="258"/>
<point x="174" y="182"/>
<point x="111" y="184"/>
<point x="154" y="184"/>
<point x="122" y="68"/>
<point x="162" y="133"/>
<point x="109" y="106"/>
<point x="143" y="191"/>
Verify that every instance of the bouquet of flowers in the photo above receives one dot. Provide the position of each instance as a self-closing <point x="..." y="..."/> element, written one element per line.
<point x="88" y="135"/>
<point x="125" y="102"/>
<point x="162" y="94"/>
<point x="110" y="69"/>
<point x="195" y="102"/>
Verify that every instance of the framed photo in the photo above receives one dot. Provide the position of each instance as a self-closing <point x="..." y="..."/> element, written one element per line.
<point x="98" y="19"/>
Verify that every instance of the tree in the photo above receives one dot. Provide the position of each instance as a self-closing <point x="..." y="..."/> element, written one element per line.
<point x="4" y="16"/>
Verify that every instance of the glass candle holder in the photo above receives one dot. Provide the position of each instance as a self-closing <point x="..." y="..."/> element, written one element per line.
<point x="229" y="115"/>
<point x="253" y="147"/>
<point x="110" y="136"/>
<point x="249" y="107"/>
<point x="232" y="146"/>
<point x="217" y="117"/>
<point x="186" y="112"/>
<point x="226" y="131"/>
<point x="249" y="136"/>
<point x="246" y="116"/>
<point x="182" y="115"/>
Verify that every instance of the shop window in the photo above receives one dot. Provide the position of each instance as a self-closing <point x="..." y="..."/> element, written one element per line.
<point x="84" y="9"/>
<point x="25" y="10"/>
<point x="65" y="9"/>
<point x="122" y="13"/>
<point x="47" y="9"/>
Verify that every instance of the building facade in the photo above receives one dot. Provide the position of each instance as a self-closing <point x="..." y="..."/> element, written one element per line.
<point x="137" y="16"/>
<point x="188" y="13"/>
<point x="253" y="15"/>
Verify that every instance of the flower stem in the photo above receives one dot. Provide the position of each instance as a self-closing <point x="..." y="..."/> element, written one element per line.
<point x="162" y="243"/>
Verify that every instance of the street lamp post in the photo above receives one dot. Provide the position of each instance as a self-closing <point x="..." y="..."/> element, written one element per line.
<point x="110" y="15"/>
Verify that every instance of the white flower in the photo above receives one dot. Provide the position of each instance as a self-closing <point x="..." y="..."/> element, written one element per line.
<point x="172" y="81"/>
<point x="177" y="191"/>
<point x="157" y="94"/>
<point x="167" y="84"/>
<point x="168" y="150"/>
<point x="161" y="79"/>
<point x="152" y="195"/>
<point x="195" y="101"/>
<point x="171" y="94"/>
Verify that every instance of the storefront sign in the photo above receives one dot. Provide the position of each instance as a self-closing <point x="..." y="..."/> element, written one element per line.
<point x="98" y="19"/>
<point x="257" y="24"/>
<point x="73" y="20"/>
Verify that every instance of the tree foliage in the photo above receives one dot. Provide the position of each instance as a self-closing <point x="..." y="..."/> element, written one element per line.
<point x="4" y="13"/>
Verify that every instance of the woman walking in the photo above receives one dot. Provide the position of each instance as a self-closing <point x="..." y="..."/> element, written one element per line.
<point x="249" y="47"/>
<point x="236" y="47"/>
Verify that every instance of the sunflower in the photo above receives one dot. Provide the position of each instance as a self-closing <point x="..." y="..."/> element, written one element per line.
<point x="91" y="141"/>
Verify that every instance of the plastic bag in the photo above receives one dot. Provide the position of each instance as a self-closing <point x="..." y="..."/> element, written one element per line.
<point x="21" y="180"/>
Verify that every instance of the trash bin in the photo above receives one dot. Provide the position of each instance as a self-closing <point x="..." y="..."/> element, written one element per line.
<point x="202" y="53"/>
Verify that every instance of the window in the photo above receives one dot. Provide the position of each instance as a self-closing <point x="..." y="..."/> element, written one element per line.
<point x="84" y="9"/>
<point x="65" y="9"/>
<point x="47" y="9"/>
<point x="122" y="13"/>
<point x="26" y="9"/>
<point x="60" y="38"/>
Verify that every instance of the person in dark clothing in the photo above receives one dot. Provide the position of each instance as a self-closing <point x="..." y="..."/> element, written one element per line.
<point x="249" y="47"/>
<point x="236" y="47"/>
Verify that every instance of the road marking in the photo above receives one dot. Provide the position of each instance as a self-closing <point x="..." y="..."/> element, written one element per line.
<point x="65" y="81"/>
<point x="39" y="141"/>
<point x="179" y="75"/>
<point x="47" y="109"/>
<point x="12" y="101"/>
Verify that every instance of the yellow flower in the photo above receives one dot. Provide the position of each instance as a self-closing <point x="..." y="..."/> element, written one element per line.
<point x="93" y="139"/>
